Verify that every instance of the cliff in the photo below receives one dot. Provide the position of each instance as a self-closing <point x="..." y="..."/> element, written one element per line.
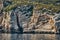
<point x="28" y="17"/>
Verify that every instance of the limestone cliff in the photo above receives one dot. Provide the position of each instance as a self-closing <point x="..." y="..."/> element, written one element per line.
<point x="28" y="18"/>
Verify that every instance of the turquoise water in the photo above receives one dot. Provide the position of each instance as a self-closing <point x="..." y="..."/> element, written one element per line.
<point x="29" y="37"/>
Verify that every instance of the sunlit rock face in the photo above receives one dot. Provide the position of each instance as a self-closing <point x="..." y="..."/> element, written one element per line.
<point x="41" y="22"/>
<point x="29" y="18"/>
<point x="5" y="22"/>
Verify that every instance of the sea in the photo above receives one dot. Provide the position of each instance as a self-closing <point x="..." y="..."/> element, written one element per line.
<point x="8" y="36"/>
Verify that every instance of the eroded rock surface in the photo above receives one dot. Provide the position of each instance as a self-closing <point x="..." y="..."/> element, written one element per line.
<point x="27" y="18"/>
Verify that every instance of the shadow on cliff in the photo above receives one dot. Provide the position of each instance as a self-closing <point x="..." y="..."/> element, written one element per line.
<point x="19" y="27"/>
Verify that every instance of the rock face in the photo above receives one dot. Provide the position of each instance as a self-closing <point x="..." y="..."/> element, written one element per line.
<point x="27" y="18"/>
<point x="5" y="22"/>
<point x="1" y="5"/>
<point x="41" y="22"/>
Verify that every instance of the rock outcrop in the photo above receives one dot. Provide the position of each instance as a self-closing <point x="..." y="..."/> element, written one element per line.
<point x="28" y="18"/>
<point x="5" y="21"/>
<point x="1" y="5"/>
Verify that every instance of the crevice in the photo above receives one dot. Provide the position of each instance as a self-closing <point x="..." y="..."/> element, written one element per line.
<point x="19" y="27"/>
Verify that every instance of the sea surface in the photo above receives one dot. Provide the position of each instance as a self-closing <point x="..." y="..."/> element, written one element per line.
<point x="5" y="36"/>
